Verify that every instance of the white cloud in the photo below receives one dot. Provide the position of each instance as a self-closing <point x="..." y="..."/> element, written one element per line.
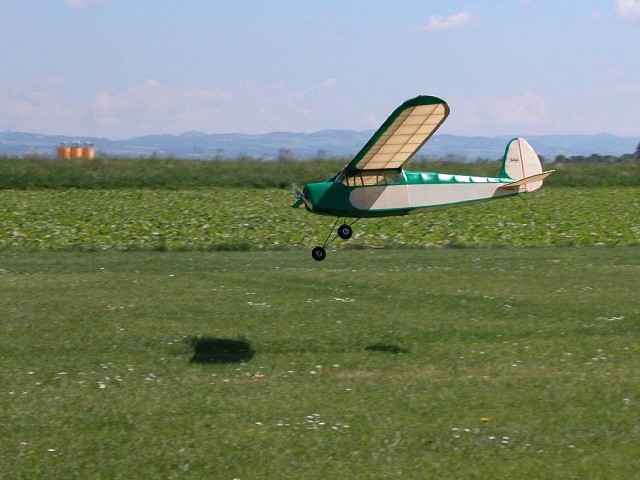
<point x="628" y="8"/>
<point x="83" y="3"/>
<point x="37" y="104"/>
<point x="57" y="105"/>
<point x="153" y="107"/>
<point x="438" y="23"/>
<point x="506" y="114"/>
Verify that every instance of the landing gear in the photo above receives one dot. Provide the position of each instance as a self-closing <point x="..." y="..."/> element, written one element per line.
<point x="319" y="254"/>
<point x="344" y="231"/>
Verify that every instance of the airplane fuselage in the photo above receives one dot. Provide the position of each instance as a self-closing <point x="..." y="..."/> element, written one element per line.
<point x="374" y="183"/>
<point x="379" y="194"/>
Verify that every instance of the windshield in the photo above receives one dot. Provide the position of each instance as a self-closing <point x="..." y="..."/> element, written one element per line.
<point x="369" y="177"/>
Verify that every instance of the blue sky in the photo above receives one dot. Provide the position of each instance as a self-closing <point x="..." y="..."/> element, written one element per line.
<point x="122" y="68"/>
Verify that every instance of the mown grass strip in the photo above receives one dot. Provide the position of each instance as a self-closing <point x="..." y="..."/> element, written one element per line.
<point x="511" y="363"/>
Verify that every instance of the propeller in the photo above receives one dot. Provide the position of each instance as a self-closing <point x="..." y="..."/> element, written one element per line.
<point x="301" y="198"/>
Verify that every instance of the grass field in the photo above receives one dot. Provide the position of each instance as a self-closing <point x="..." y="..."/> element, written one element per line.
<point x="176" y="331"/>
<point x="436" y="363"/>
<point x="253" y="219"/>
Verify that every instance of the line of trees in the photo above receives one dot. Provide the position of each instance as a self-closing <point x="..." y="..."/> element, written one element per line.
<point x="103" y="173"/>
<point x="594" y="158"/>
<point x="597" y="158"/>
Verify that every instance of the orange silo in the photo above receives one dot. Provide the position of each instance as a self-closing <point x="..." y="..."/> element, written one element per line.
<point x="76" y="151"/>
<point x="63" y="152"/>
<point x="87" y="151"/>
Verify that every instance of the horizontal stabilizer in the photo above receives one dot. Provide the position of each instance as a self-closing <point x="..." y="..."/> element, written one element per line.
<point x="527" y="180"/>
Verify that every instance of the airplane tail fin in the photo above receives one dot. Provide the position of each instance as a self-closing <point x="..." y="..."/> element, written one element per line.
<point x="521" y="164"/>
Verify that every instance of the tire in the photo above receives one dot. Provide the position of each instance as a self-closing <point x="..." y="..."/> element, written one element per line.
<point x="318" y="254"/>
<point x="345" y="232"/>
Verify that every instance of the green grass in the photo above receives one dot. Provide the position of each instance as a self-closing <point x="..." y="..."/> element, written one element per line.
<point x="185" y="332"/>
<point x="371" y="364"/>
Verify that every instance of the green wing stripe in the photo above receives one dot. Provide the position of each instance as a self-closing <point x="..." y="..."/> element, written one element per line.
<point x="405" y="131"/>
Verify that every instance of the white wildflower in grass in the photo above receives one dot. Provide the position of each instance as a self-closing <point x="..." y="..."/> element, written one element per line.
<point x="312" y="422"/>
<point x="610" y="319"/>
<point x="262" y="304"/>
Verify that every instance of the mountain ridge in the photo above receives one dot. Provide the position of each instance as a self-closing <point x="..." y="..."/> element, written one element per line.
<point x="323" y="143"/>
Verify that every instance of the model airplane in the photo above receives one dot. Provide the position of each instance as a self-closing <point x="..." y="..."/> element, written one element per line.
<point x="374" y="183"/>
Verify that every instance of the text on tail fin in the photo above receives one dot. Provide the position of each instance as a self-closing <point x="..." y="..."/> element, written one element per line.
<point x="520" y="160"/>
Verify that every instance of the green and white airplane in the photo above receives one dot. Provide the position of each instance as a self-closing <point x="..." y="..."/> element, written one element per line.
<point x="374" y="183"/>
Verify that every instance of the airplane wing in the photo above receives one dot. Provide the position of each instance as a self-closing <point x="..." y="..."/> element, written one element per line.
<point x="406" y="130"/>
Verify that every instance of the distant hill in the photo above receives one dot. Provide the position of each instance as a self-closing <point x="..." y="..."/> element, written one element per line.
<point x="327" y="143"/>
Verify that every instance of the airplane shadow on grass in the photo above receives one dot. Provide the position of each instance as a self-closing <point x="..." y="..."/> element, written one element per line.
<point x="225" y="350"/>
<point x="219" y="350"/>
<point x="384" y="348"/>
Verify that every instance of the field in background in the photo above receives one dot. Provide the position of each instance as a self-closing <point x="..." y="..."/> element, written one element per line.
<point x="107" y="173"/>
<point x="254" y="219"/>
<point x="511" y="363"/>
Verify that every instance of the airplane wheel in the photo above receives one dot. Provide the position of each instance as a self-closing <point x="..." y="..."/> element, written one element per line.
<point x="345" y="231"/>
<point x="319" y="254"/>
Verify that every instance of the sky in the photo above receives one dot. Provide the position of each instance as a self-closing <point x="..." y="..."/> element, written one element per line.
<point x="125" y="68"/>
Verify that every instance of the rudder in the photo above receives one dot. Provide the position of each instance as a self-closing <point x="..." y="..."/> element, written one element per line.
<point x="521" y="161"/>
